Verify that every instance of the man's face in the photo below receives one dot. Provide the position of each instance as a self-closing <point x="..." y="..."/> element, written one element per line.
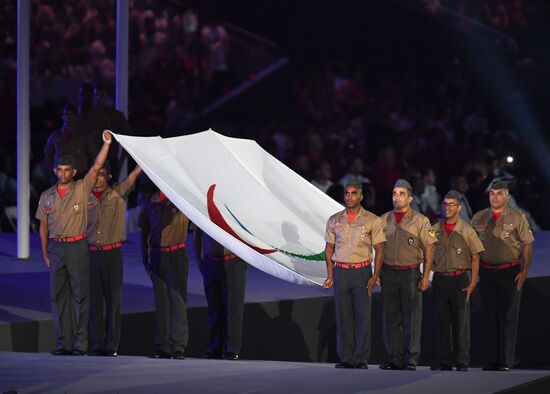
<point x="498" y="198"/>
<point x="352" y="197"/>
<point x="401" y="198"/>
<point x="452" y="208"/>
<point x="103" y="178"/>
<point x="65" y="174"/>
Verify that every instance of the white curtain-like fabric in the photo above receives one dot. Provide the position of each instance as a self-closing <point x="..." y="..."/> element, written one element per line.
<point x="242" y="197"/>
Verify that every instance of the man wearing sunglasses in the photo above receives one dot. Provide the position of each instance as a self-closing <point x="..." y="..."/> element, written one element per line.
<point x="456" y="252"/>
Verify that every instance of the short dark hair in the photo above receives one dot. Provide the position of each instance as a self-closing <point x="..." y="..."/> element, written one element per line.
<point x="64" y="160"/>
<point x="354" y="183"/>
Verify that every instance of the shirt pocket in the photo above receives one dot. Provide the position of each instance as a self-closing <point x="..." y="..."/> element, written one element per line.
<point x="339" y="236"/>
<point x="364" y="237"/>
<point x="459" y="251"/>
<point x="481" y="229"/>
<point x="507" y="230"/>
<point x="77" y="207"/>
<point x="109" y="204"/>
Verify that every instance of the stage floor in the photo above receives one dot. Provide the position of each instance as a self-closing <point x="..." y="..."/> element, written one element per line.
<point x="39" y="372"/>
<point x="24" y="284"/>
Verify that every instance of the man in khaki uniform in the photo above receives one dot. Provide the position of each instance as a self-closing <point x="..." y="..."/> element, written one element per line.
<point x="106" y="219"/>
<point x="410" y="242"/>
<point x="63" y="216"/>
<point x="456" y="252"/>
<point x="164" y="231"/>
<point x="508" y="243"/>
<point x="350" y="236"/>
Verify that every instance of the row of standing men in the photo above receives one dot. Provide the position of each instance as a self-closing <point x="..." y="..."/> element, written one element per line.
<point x="497" y="246"/>
<point x="81" y="229"/>
<point x="81" y="233"/>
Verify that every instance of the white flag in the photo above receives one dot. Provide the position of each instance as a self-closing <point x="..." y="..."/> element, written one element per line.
<point x="242" y="197"/>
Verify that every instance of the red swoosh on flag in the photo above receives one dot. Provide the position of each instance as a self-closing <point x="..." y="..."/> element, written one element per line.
<point x="217" y="218"/>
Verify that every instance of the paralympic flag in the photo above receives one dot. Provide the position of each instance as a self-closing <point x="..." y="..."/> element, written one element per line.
<point x="244" y="198"/>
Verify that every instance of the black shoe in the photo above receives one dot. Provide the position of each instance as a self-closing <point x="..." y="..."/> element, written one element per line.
<point x="361" y="366"/>
<point x="213" y="356"/>
<point x="390" y="366"/>
<point x="231" y="356"/>
<point x="441" y="367"/>
<point x="61" y="352"/>
<point x="409" y="367"/>
<point x="462" y="368"/>
<point x="504" y="367"/>
<point x="78" y="352"/>
<point x="178" y="355"/>
<point x="343" y="365"/>
<point x="490" y="367"/>
<point x="160" y="354"/>
<point x="110" y="353"/>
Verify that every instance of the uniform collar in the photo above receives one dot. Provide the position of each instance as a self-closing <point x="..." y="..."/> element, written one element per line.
<point x="362" y="212"/>
<point x="459" y="225"/>
<point x="408" y="215"/>
<point x="53" y="189"/>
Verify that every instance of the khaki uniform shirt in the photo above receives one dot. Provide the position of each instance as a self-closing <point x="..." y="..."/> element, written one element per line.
<point x="164" y="222"/>
<point x="353" y="241"/>
<point x="502" y="240"/>
<point x="406" y="240"/>
<point x="67" y="216"/>
<point x="106" y="216"/>
<point x="454" y="251"/>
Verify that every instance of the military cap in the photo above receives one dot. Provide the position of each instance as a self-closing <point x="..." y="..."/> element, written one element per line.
<point x="64" y="160"/>
<point x="403" y="183"/>
<point x="499" y="184"/>
<point x="453" y="194"/>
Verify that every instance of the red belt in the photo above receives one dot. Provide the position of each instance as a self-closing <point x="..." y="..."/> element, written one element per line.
<point x="500" y="266"/>
<point x="347" y="266"/>
<point x="69" y="239"/>
<point x="451" y="273"/>
<point x="229" y="256"/>
<point x="401" y="267"/>
<point x="105" y="247"/>
<point x="173" y="247"/>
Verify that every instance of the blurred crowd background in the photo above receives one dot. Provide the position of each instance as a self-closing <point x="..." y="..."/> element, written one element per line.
<point x="446" y="94"/>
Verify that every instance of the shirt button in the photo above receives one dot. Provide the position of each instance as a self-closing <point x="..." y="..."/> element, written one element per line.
<point x="99" y="232"/>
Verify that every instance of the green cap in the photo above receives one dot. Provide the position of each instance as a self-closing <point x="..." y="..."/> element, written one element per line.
<point x="453" y="194"/>
<point x="64" y="160"/>
<point x="499" y="184"/>
<point x="403" y="183"/>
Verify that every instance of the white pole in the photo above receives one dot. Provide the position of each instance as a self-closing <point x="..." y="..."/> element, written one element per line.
<point x="122" y="71"/>
<point x="23" y="128"/>
<point x="121" y="100"/>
